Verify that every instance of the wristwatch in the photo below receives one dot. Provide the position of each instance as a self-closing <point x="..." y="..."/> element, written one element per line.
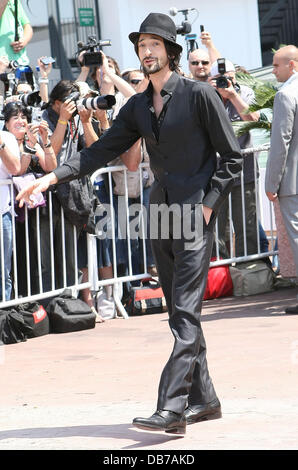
<point x="28" y="149"/>
<point x="2" y="145"/>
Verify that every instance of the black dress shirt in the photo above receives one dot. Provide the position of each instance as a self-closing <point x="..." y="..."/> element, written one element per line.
<point x="182" y="144"/>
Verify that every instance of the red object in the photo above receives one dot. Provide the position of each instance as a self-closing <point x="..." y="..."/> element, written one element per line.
<point x="39" y="315"/>
<point x="219" y="283"/>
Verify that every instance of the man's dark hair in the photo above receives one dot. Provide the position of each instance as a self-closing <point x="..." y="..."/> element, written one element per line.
<point x="63" y="89"/>
<point x="172" y="52"/>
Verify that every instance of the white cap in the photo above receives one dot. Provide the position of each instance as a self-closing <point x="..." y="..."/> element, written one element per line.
<point x="214" y="67"/>
<point x="85" y="89"/>
<point x="127" y="71"/>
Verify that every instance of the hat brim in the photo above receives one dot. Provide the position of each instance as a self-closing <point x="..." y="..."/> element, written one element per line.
<point x="133" y="37"/>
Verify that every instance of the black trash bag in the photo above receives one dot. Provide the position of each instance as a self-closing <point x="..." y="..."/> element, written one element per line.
<point x="13" y="328"/>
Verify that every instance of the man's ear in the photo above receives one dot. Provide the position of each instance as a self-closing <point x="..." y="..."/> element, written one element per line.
<point x="292" y="65"/>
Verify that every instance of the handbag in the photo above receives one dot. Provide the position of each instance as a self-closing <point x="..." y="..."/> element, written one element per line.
<point x="146" y="299"/>
<point x="252" y="278"/>
<point x="219" y="282"/>
<point x="68" y="314"/>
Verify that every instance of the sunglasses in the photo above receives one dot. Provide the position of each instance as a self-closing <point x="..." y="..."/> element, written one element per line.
<point x="203" y="62"/>
<point x="135" y="81"/>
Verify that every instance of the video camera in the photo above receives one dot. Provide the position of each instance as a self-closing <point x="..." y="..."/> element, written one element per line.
<point x="100" y="102"/>
<point x="93" y="56"/>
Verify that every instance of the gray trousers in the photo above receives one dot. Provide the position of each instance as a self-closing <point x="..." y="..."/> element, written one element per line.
<point x="183" y="275"/>
<point x="289" y="209"/>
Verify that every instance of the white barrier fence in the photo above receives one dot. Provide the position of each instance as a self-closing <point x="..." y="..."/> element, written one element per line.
<point x="27" y="243"/>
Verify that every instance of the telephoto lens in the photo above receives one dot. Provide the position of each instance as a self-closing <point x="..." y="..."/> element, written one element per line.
<point x="30" y="99"/>
<point x="100" y="102"/>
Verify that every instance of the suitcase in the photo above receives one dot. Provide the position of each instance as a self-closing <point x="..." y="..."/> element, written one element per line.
<point x="69" y="314"/>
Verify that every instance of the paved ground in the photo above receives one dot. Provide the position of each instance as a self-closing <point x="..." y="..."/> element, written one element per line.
<point x="81" y="390"/>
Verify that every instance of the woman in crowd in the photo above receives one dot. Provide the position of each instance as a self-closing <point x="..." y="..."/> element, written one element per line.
<point x="37" y="157"/>
<point x="9" y="165"/>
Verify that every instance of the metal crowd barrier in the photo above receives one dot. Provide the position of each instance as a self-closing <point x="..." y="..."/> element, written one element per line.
<point x="94" y="283"/>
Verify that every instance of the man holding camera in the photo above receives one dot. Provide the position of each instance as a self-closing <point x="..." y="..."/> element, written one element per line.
<point x="69" y="133"/>
<point x="237" y="99"/>
<point x="184" y="124"/>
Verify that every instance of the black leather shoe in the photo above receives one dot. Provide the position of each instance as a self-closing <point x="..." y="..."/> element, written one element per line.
<point x="292" y="310"/>
<point x="196" y="413"/>
<point x="162" y="420"/>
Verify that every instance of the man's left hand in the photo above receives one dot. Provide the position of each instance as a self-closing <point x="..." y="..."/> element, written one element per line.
<point x="207" y="212"/>
<point x="271" y="196"/>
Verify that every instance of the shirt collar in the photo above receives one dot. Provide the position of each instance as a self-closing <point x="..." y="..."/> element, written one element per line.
<point x="292" y="77"/>
<point x="168" y="87"/>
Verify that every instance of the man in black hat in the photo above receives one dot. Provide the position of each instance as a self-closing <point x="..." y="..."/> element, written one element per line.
<point x="184" y="124"/>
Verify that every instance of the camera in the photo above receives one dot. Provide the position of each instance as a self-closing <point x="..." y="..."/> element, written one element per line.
<point x="36" y="115"/>
<point x="93" y="57"/>
<point x="13" y="65"/>
<point x="30" y="99"/>
<point x="100" y="102"/>
<point x="48" y="60"/>
<point x="222" y="81"/>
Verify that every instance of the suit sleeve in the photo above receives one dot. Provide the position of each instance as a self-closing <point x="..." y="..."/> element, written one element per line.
<point x="213" y="117"/>
<point x="119" y="138"/>
<point x="281" y="135"/>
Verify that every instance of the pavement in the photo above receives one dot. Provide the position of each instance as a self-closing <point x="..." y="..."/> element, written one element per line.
<point x="80" y="391"/>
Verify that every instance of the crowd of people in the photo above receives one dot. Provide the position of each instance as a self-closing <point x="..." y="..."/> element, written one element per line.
<point x="32" y="147"/>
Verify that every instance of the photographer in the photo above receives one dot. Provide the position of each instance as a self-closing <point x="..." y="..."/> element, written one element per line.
<point x="236" y="99"/>
<point x="200" y="60"/>
<point x="68" y="134"/>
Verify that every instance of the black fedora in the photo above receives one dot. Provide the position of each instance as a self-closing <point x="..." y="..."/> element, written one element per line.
<point x="160" y="25"/>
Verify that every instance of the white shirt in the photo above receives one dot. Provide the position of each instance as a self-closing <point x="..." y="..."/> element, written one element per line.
<point x="5" y="199"/>
<point x="287" y="82"/>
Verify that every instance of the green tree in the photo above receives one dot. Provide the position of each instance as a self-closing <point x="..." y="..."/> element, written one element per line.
<point x="264" y="98"/>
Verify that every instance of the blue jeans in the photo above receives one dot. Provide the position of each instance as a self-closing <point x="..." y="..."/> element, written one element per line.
<point x="6" y="238"/>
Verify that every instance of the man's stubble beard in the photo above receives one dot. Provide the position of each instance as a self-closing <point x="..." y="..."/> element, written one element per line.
<point x="154" y="68"/>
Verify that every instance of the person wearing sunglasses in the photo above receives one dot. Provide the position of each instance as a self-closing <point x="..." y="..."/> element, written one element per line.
<point x="199" y="65"/>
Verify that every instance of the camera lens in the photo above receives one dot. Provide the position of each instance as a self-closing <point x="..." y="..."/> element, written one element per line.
<point x="30" y="99"/>
<point x="222" y="82"/>
<point x="100" y="102"/>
